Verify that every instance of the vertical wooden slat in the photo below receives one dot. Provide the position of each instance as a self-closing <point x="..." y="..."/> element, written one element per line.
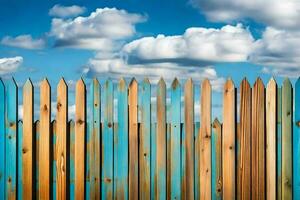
<point x="188" y="142"/>
<point x="279" y="144"/>
<point x="244" y="144"/>
<point x="216" y="147"/>
<point x="153" y="162"/>
<point x="271" y="92"/>
<point x="72" y="159"/>
<point x="228" y="140"/>
<point x="296" y="143"/>
<point x="94" y="145"/>
<point x="133" y="140"/>
<point x="161" y="144"/>
<point x="80" y="126"/>
<point x="20" y="152"/>
<point x="2" y="140"/>
<point x="89" y="183"/>
<point x="107" y="141"/>
<point x="144" y="145"/>
<point x="287" y="140"/>
<point x="44" y="153"/>
<point x="258" y="141"/>
<point x="121" y="144"/>
<point x="61" y="140"/>
<point x="197" y="160"/>
<point x="205" y="141"/>
<point x="53" y="159"/>
<point x="28" y="140"/>
<point x="36" y="168"/>
<point x="175" y="192"/>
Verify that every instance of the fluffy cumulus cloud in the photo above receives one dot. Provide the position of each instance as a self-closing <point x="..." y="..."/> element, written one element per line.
<point x="66" y="11"/>
<point x="276" y="13"/>
<point x="227" y="44"/>
<point x="10" y="65"/>
<point x="24" y="41"/>
<point x="100" y="30"/>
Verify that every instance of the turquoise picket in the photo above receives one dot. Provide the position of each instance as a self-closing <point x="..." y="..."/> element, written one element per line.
<point x="72" y="160"/>
<point x="153" y="160"/>
<point x="121" y="144"/>
<point x="216" y="160"/>
<point x="296" y="143"/>
<point x="107" y="141"/>
<point x="11" y="118"/>
<point x="144" y="148"/>
<point x="196" y="155"/>
<point x="20" y="153"/>
<point x="2" y="140"/>
<point x="175" y="140"/>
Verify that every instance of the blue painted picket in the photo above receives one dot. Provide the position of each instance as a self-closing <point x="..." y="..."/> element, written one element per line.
<point x="121" y="144"/>
<point x="2" y="140"/>
<point x="11" y="118"/>
<point x="153" y="158"/>
<point x="296" y="143"/>
<point x="107" y="141"/>
<point x="175" y="143"/>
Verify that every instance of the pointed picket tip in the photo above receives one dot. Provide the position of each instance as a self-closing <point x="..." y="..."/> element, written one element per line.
<point x="80" y="82"/>
<point x="122" y="84"/>
<point x="62" y="83"/>
<point x="161" y="82"/>
<point x="146" y="80"/>
<point x="189" y="81"/>
<point x="286" y="81"/>
<point x="245" y="83"/>
<point x="28" y="83"/>
<point x="259" y="81"/>
<point x="45" y="82"/>
<point x="175" y="83"/>
<point x="133" y="83"/>
<point x="272" y="83"/>
<point x="206" y="83"/>
<point x="229" y="84"/>
<point x="216" y="123"/>
<point x="95" y="81"/>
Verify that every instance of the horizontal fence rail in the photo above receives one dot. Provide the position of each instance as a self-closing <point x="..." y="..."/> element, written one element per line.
<point x="254" y="153"/>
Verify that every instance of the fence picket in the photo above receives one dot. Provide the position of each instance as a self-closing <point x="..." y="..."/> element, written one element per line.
<point x="107" y="141"/>
<point x="2" y="140"/>
<point x="296" y="143"/>
<point x="244" y="144"/>
<point x="287" y="140"/>
<point x="271" y="139"/>
<point x="197" y="161"/>
<point x="161" y="143"/>
<point x="216" y="147"/>
<point x="53" y="151"/>
<point x="133" y="140"/>
<point x="61" y="156"/>
<point x="71" y="128"/>
<point x="121" y="144"/>
<point x="228" y="140"/>
<point x="20" y="152"/>
<point x="36" y="168"/>
<point x="279" y="143"/>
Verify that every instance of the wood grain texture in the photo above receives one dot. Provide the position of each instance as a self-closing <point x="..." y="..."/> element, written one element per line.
<point x="188" y="141"/>
<point x="144" y="139"/>
<point x="296" y="143"/>
<point x="197" y="160"/>
<point x="80" y="128"/>
<point x="244" y="143"/>
<point x="121" y="144"/>
<point x="279" y="144"/>
<point x="161" y="152"/>
<point x="2" y="140"/>
<point x="44" y="140"/>
<point x="20" y="155"/>
<point x="271" y="92"/>
<point x="287" y="111"/>
<point x="228" y="140"/>
<point x="71" y="129"/>
<point x="28" y="140"/>
<point x="133" y="140"/>
<point x="258" y="141"/>
<point x="36" y="153"/>
<point x="205" y="141"/>
<point x="61" y="140"/>
<point x="216" y="146"/>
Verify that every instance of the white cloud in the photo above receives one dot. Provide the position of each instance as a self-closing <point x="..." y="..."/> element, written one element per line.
<point x="66" y="11"/>
<point x="276" y="13"/>
<point x="227" y="44"/>
<point x="100" y="30"/>
<point x="24" y="41"/>
<point x="9" y="65"/>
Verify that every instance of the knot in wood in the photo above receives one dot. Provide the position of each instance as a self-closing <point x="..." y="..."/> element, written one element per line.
<point x="80" y="121"/>
<point x="298" y="123"/>
<point x="109" y="124"/>
<point x="45" y="107"/>
<point x="58" y="105"/>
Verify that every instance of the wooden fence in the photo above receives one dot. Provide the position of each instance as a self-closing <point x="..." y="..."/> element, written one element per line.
<point x="256" y="156"/>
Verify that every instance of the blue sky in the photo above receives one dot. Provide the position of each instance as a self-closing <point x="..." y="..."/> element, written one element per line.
<point x="197" y="38"/>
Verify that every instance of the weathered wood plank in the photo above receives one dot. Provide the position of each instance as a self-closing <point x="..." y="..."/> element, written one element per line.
<point x="144" y="135"/>
<point x="258" y="141"/>
<point x="271" y="92"/>
<point x="205" y="141"/>
<point x="44" y="148"/>
<point x="296" y="143"/>
<point x="279" y="144"/>
<point x="161" y="143"/>
<point x="188" y="142"/>
<point x="197" y="160"/>
<point x="175" y="192"/>
<point x="28" y="140"/>
<point x="153" y="162"/>
<point x="216" y="147"/>
<point x="2" y="140"/>
<point x="244" y="144"/>
<point x="20" y="153"/>
<point x="228" y="140"/>
<point x="53" y="159"/>
<point x="133" y="140"/>
<point x="80" y="128"/>
<point x="121" y="144"/>
<point x="287" y="140"/>
<point x="95" y="125"/>
<point x="71" y="129"/>
<point x="61" y="156"/>
<point x="107" y="141"/>
<point x="36" y="153"/>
